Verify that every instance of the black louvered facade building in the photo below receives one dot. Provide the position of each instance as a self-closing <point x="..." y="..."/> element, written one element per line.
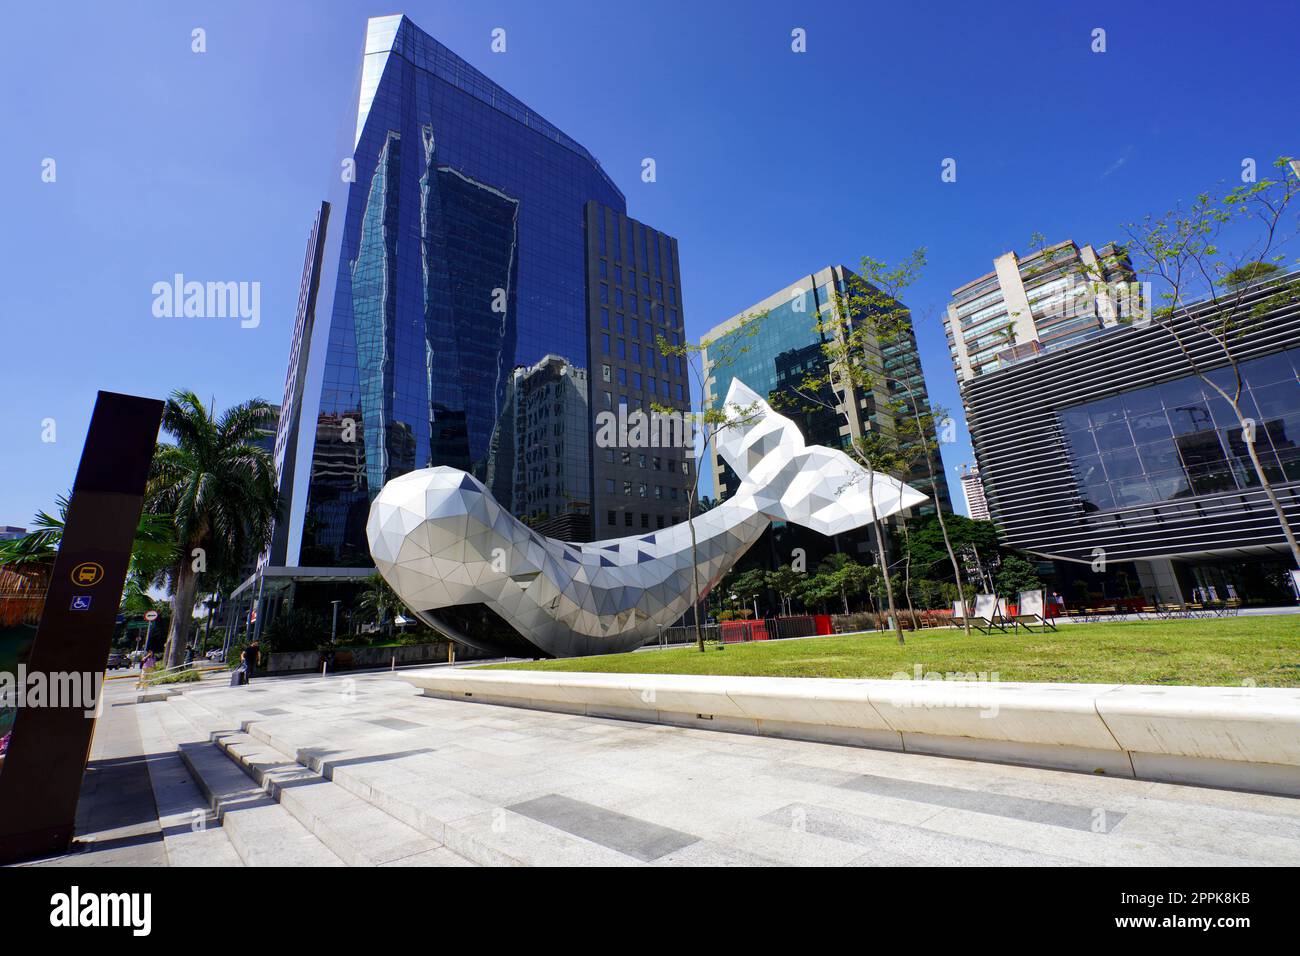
<point x="1115" y="448"/>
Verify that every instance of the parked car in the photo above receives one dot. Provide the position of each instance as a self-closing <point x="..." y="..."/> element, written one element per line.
<point x="116" y="660"/>
<point x="216" y="654"/>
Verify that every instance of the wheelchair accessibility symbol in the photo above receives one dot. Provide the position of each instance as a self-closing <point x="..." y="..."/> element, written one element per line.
<point x="81" y="602"/>
<point x="87" y="573"/>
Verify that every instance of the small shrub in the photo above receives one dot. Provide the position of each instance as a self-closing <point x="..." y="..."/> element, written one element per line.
<point x="176" y="677"/>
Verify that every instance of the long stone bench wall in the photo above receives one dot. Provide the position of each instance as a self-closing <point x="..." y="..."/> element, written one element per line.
<point x="1242" y="738"/>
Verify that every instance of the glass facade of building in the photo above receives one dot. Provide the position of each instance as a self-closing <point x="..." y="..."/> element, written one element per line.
<point x="787" y="348"/>
<point x="1180" y="439"/>
<point x="460" y="255"/>
<point x="779" y="353"/>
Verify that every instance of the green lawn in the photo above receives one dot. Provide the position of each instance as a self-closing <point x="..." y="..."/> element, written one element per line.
<point x="1219" y="651"/>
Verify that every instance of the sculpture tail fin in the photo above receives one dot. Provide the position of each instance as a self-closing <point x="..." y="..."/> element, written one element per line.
<point x="789" y="480"/>
<point x="757" y="441"/>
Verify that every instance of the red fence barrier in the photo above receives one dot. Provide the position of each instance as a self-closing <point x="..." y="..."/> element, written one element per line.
<point x="734" y="632"/>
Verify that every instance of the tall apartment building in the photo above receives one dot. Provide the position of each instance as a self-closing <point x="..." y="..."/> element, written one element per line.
<point x="977" y="506"/>
<point x="1054" y="297"/>
<point x="445" y="303"/>
<point x="643" y="481"/>
<point x="785" y="348"/>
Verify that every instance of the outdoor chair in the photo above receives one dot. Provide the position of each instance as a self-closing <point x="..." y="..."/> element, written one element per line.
<point x="989" y="614"/>
<point x="1031" y="612"/>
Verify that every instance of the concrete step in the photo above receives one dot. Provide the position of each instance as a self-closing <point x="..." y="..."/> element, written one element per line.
<point x="262" y="832"/>
<point x="192" y="834"/>
<point x="464" y="812"/>
<point x="479" y="830"/>
<point x="356" y="831"/>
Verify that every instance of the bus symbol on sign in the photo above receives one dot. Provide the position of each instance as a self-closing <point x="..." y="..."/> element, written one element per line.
<point x="87" y="573"/>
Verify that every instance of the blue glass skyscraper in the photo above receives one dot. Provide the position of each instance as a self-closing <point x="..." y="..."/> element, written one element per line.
<point x="453" y="252"/>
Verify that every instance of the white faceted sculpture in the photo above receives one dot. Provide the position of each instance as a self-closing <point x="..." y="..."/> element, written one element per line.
<point x="471" y="570"/>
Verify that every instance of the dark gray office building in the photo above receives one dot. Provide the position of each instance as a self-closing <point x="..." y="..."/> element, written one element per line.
<point x="1112" y="459"/>
<point x="642" y="481"/>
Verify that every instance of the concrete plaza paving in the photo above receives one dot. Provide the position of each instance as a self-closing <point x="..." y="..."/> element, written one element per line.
<point x="500" y="785"/>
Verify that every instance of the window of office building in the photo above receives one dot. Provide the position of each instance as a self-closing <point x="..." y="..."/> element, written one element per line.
<point x="1180" y="439"/>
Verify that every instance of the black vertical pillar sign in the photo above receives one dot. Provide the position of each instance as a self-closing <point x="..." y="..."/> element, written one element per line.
<point x="41" y="778"/>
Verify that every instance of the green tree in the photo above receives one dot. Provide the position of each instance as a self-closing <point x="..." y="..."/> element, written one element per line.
<point x="1016" y="575"/>
<point x="749" y="585"/>
<point x="866" y="323"/>
<point x="219" y="489"/>
<point x="817" y="588"/>
<point x="1205" y="258"/>
<point x="846" y="577"/>
<point x="920" y="427"/>
<point x="380" y="601"/>
<point x="151" y="551"/>
<point x="785" y="581"/>
<point x="710" y="422"/>
<point x="929" y="551"/>
<point x="297" y="629"/>
<point x="1251" y="272"/>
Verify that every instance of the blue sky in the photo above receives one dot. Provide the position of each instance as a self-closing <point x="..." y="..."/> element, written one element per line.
<point x="770" y="164"/>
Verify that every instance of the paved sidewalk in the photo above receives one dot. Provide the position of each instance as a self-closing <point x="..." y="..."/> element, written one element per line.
<point x="139" y="806"/>
<point x="508" y="785"/>
<point x="117" y="820"/>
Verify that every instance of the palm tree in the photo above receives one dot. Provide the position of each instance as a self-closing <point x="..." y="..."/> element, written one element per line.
<point x="219" y="489"/>
<point x="151" y="551"/>
<point x="380" y="600"/>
